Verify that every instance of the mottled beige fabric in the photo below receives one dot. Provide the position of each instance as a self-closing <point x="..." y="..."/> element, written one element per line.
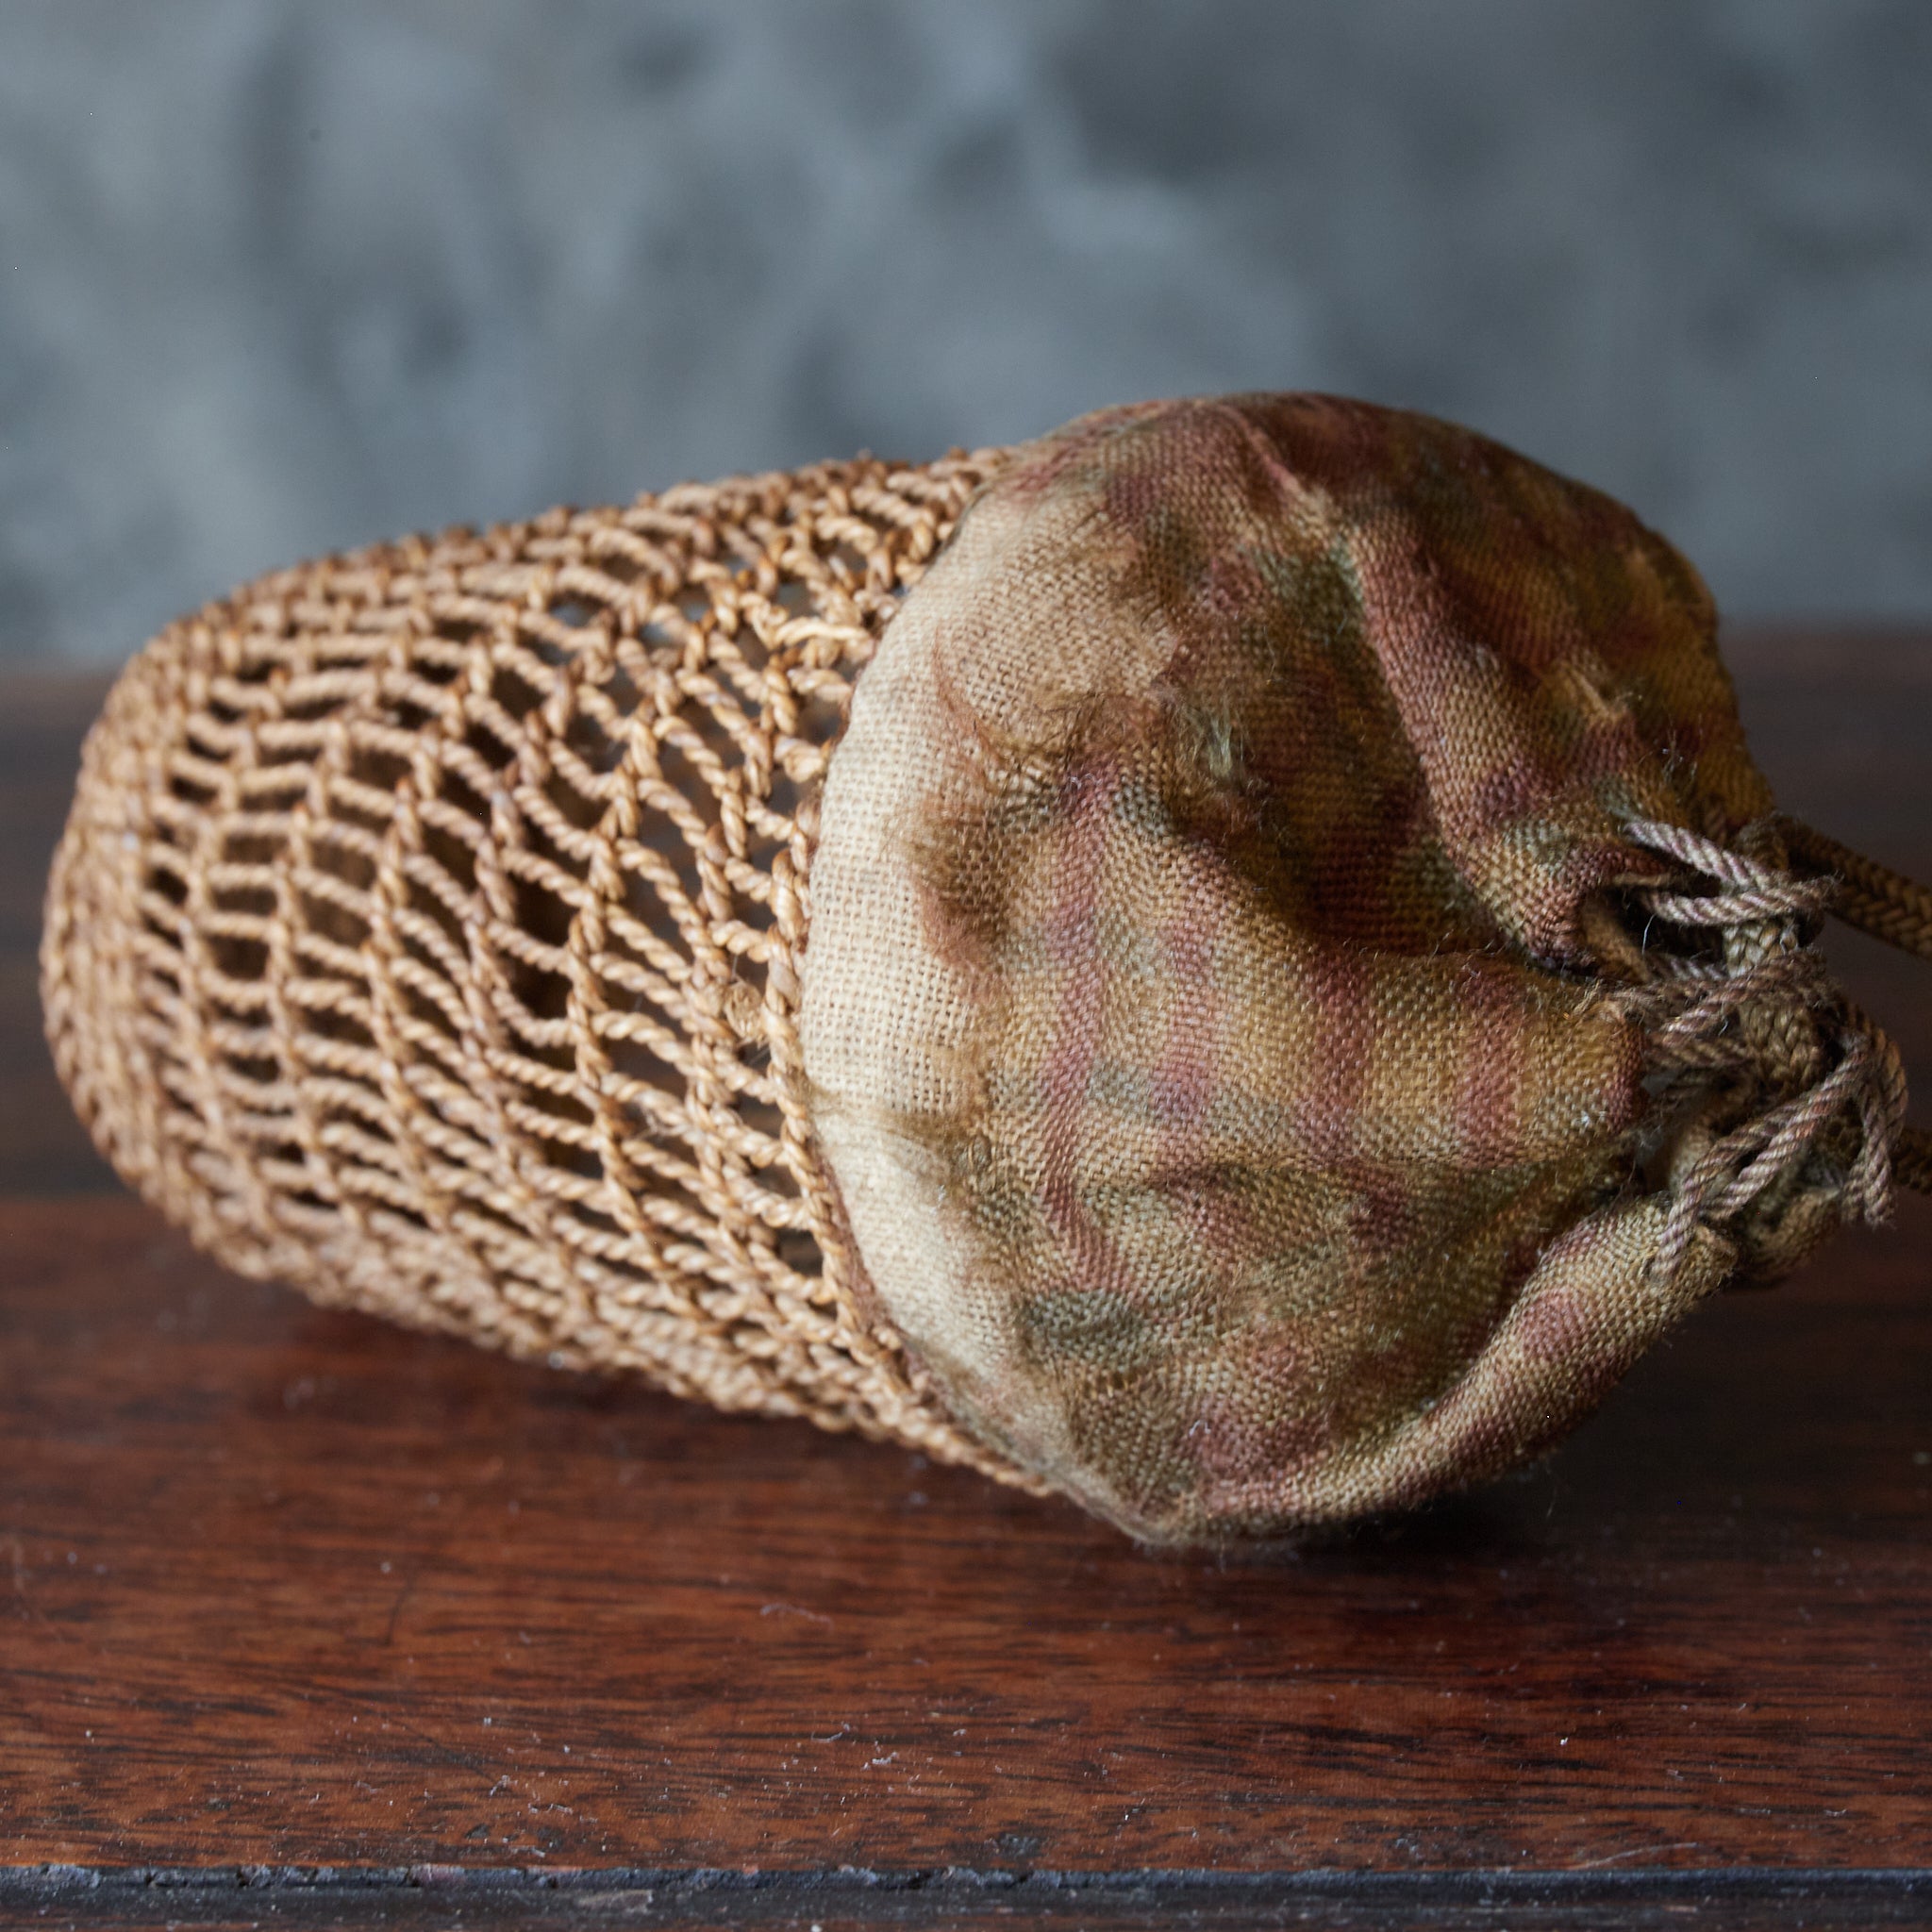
<point x="1207" y="1011"/>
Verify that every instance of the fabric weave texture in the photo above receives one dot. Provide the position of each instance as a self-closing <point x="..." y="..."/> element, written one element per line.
<point x="1224" y="895"/>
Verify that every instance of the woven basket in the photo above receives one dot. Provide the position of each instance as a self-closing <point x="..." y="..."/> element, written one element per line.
<point x="426" y="933"/>
<point x="1307" y="982"/>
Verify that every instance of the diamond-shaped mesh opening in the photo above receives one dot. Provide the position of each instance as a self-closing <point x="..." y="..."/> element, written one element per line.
<point x="452" y="967"/>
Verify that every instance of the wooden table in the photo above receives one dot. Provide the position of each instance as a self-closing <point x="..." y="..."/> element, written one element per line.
<point x="311" y="1621"/>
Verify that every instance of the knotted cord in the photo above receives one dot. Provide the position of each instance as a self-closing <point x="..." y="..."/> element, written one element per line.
<point x="1764" y="1017"/>
<point x="1890" y="908"/>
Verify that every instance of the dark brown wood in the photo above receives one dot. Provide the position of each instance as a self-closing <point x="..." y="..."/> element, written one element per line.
<point x="441" y="1897"/>
<point x="287" y="1588"/>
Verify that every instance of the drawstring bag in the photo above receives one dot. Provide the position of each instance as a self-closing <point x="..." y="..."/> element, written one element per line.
<point x="1231" y="963"/>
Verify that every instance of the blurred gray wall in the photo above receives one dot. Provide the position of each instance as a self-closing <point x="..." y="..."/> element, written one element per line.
<point x="280" y="275"/>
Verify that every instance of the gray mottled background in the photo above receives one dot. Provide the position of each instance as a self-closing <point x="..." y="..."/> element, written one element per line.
<point x="280" y="275"/>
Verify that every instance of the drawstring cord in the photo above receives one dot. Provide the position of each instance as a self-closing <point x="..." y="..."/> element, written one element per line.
<point x="1757" y="1005"/>
<point x="1898" y="910"/>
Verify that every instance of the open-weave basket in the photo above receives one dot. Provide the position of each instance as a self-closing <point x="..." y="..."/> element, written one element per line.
<point x="427" y="931"/>
<point x="1278" y="984"/>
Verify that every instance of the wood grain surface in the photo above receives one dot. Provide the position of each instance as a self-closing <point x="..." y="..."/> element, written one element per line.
<point x="310" y="1621"/>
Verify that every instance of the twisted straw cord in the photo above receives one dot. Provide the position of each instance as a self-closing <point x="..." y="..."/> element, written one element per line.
<point x="1692" y="1019"/>
<point x="1736" y="1169"/>
<point x="1891" y="908"/>
<point x="1757" y="891"/>
<point x="1870" y="896"/>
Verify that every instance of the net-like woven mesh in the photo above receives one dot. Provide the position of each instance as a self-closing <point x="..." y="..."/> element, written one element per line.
<point x="426" y="932"/>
